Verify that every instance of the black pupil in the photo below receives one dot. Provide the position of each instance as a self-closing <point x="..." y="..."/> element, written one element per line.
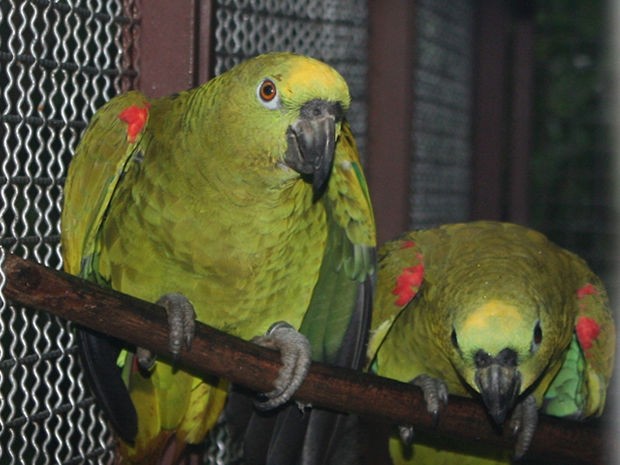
<point x="268" y="89"/>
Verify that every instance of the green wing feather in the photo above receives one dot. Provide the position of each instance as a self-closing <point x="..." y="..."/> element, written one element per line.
<point x="394" y="257"/>
<point x="95" y="171"/>
<point x="579" y="389"/>
<point x="338" y="316"/>
<point x="349" y="260"/>
<point x="103" y="153"/>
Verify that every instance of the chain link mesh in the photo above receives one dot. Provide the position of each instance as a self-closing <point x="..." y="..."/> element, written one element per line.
<point x="441" y="165"/>
<point x="59" y="60"/>
<point x="334" y="31"/>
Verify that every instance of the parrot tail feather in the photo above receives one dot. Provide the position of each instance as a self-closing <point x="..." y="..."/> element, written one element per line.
<point x="98" y="354"/>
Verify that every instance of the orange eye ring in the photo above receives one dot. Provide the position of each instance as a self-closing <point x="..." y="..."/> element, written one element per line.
<point x="267" y="90"/>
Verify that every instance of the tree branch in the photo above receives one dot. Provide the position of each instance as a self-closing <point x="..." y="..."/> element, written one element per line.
<point x="216" y="353"/>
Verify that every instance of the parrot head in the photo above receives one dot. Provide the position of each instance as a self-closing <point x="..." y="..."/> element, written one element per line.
<point x="499" y="350"/>
<point x="284" y="110"/>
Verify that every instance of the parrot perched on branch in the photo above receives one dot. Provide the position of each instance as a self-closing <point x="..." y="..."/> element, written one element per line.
<point x="496" y="311"/>
<point x="240" y="203"/>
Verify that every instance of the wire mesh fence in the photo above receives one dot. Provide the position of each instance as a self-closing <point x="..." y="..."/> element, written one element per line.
<point x="441" y="129"/>
<point x="59" y="61"/>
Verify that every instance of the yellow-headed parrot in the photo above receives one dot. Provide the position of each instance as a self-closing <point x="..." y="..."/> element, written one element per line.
<point x="240" y="203"/>
<point x="495" y="311"/>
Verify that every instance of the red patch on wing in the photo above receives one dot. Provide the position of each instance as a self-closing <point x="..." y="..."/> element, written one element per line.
<point x="588" y="289"/>
<point x="135" y="117"/>
<point x="407" y="244"/>
<point x="587" y="330"/>
<point x="408" y="283"/>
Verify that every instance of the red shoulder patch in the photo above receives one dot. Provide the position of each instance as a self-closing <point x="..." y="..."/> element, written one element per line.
<point x="135" y="117"/>
<point x="588" y="289"/>
<point x="408" y="283"/>
<point x="407" y="244"/>
<point x="587" y="330"/>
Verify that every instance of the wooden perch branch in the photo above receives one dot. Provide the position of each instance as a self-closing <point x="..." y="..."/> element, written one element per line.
<point x="247" y="364"/>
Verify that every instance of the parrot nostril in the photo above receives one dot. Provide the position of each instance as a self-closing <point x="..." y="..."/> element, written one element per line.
<point x="507" y="357"/>
<point x="317" y="108"/>
<point x="482" y="359"/>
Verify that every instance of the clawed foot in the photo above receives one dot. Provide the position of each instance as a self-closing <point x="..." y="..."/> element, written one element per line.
<point x="523" y="424"/>
<point x="182" y="323"/>
<point x="435" y="395"/>
<point x="296" y="358"/>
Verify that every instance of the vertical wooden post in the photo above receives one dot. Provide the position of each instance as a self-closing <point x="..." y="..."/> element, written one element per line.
<point x="521" y="114"/>
<point x="169" y="37"/>
<point x="489" y="137"/>
<point x="205" y="43"/>
<point x="390" y="109"/>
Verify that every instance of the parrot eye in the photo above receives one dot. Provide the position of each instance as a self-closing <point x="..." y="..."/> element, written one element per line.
<point x="267" y="93"/>
<point x="538" y="336"/>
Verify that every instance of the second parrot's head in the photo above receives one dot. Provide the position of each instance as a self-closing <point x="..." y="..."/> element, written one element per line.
<point x="283" y="111"/>
<point x="500" y="349"/>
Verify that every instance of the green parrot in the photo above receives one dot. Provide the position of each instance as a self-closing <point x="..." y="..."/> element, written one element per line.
<point x="496" y="311"/>
<point x="240" y="203"/>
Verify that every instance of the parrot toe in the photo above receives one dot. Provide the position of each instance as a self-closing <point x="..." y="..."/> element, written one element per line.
<point x="182" y="323"/>
<point x="146" y="359"/>
<point x="406" y="434"/>
<point x="435" y="393"/>
<point x="181" y="319"/>
<point x="523" y="424"/>
<point x="295" y="352"/>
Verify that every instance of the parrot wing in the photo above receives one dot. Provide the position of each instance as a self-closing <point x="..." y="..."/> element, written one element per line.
<point x="404" y="274"/>
<point x="579" y="389"/>
<point x="113" y="138"/>
<point x="336" y="322"/>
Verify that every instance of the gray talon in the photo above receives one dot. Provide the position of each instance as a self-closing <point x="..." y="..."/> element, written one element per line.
<point x="523" y="422"/>
<point x="181" y="319"/>
<point x="435" y="395"/>
<point x="295" y="354"/>
<point x="182" y="324"/>
<point x="435" y="392"/>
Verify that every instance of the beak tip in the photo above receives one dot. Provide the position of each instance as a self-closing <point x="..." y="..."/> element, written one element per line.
<point x="499" y="387"/>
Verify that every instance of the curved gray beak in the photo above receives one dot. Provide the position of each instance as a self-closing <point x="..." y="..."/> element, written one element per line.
<point x="499" y="382"/>
<point x="311" y="142"/>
